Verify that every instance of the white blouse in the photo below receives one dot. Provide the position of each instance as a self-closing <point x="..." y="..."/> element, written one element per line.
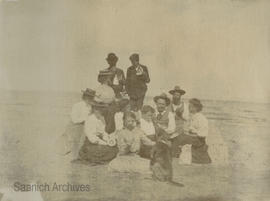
<point x="95" y="129"/>
<point x="80" y="112"/>
<point x="199" y="124"/>
<point x="147" y="127"/>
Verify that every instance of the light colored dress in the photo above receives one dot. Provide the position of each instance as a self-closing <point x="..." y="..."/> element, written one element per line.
<point x="128" y="160"/>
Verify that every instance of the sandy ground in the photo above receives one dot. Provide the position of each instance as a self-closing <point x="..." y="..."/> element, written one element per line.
<point x="27" y="155"/>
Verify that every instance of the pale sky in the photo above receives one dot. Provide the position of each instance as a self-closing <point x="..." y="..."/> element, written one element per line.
<point x="214" y="49"/>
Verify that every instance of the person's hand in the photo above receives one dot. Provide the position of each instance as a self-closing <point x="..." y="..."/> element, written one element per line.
<point x="162" y="127"/>
<point x="179" y="112"/>
<point x="105" y="137"/>
<point x="102" y="142"/>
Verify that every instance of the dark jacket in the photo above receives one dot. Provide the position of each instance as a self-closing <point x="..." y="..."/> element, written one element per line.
<point x="121" y="77"/>
<point x="136" y="84"/>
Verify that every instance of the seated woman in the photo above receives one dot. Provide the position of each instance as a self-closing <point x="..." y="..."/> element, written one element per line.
<point x="196" y="133"/>
<point x="129" y="141"/>
<point x="72" y="140"/>
<point x="96" y="148"/>
<point x="147" y="126"/>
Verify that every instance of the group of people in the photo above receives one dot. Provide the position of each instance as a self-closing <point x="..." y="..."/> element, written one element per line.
<point x="112" y="124"/>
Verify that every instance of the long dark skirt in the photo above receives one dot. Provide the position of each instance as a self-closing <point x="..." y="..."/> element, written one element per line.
<point x="199" y="148"/>
<point x="145" y="150"/>
<point x="97" y="154"/>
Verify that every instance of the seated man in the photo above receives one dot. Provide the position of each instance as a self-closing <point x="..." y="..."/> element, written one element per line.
<point x="196" y="133"/>
<point x="164" y="119"/>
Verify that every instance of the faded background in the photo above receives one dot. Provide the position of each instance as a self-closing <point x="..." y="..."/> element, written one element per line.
<point x="215" y="49"/>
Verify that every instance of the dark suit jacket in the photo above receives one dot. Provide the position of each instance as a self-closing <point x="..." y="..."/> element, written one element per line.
<point x="136" y="84"/>
<point x="121" y="77"/>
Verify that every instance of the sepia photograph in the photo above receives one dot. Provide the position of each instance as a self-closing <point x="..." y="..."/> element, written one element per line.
<point x="146" y="100"/>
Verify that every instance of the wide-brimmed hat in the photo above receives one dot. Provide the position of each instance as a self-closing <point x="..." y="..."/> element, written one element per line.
<point x="197" y="103"/>
<point x="97" y="104"/>
<point x="177" y="89"/>
<point x="89" y="92"/>
<point x="112" y="57"/>
<point x="164" y="97"/>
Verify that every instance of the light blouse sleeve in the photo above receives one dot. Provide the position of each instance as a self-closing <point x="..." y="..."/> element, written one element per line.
<point x="91" y="131"/>
<point x="185" y="114"/>
<point x="200" y="126"/>
<point x="118" y="121"/>
<point x="146" y="141"/>
<point x="171" y="126"/>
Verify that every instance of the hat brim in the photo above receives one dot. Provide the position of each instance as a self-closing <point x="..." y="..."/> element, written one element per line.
<point x="105" y="74"/>
<point x="87" y="94"/>
<point x="182" y="92"/>
<point x="168" y="101"/>
<point x="99" y="104"/>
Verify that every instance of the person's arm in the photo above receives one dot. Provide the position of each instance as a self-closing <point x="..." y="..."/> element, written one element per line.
<point x="145" y="140"/>
<point x="201" y="128"/>
<point x="185" y="114"/>
<point x="128" y="80"/>
<point x="145" y="75"/>
<point x="122" y="80"/>
<point x="118" y="121"/>
<point x="90" y="132"/>
<point x="100" y="79"/>
<point x="122" y="145"/>
<point x="171" y="126"/>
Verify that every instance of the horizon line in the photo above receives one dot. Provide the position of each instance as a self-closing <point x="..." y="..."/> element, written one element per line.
<point x="75" y="91"/>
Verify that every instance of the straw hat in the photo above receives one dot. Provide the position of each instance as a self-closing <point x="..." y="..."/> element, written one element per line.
<point x="177" y="89"/>
<point x="164" y="97"/>
<point x="89" y="92"/>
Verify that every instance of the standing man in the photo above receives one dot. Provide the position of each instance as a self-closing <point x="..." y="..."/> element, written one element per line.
<point x="117" y="77"/>
<point x="136" y="82"/>
<point x="181" y="113"/>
